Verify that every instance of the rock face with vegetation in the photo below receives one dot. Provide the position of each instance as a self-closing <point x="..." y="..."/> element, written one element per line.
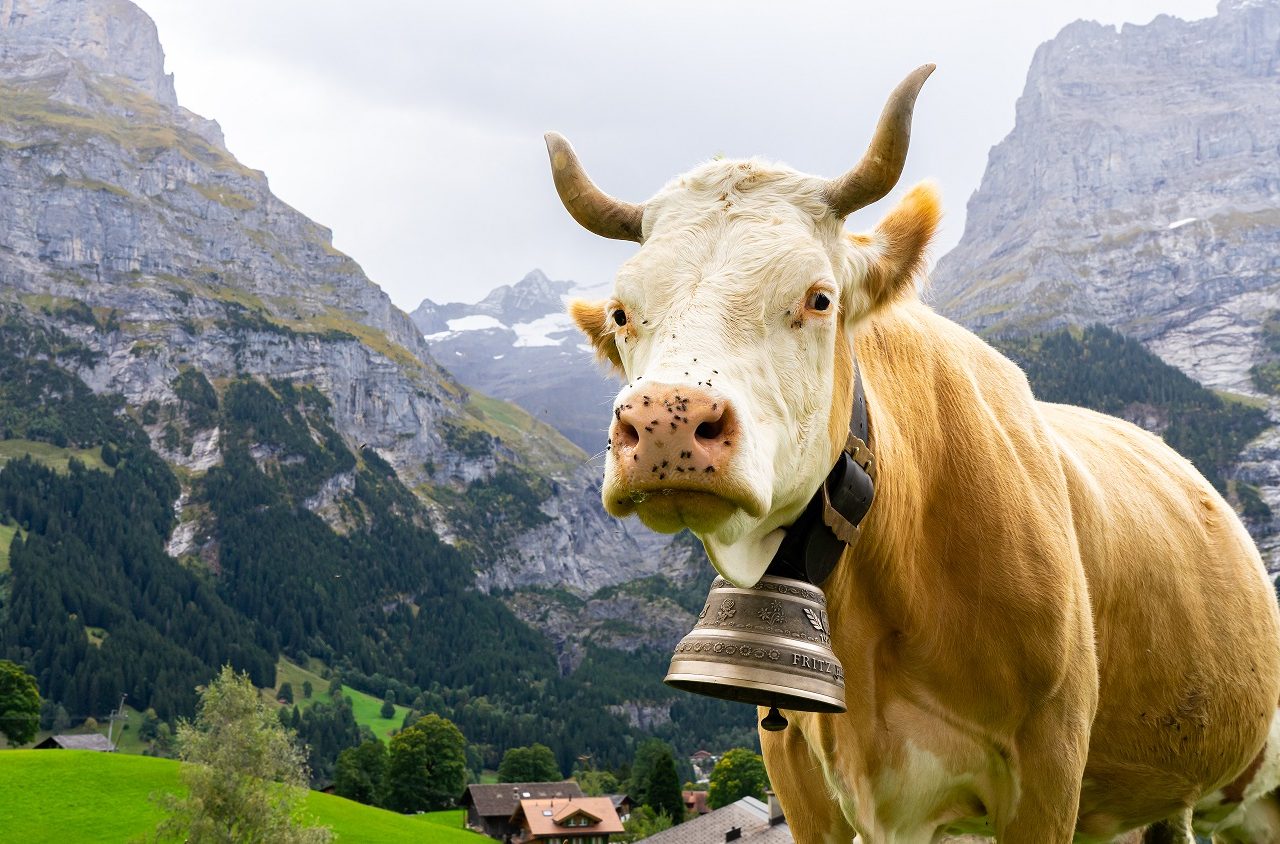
<point x="1140" y="190"/>
<point x="128" y="224"/>
<point x="239" y="450"/>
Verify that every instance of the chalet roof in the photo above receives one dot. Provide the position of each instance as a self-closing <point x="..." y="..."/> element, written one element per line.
<point x="619" y="799"/>
<point x="748" y="814"/>
<point x="546" y="817"/>
<point x="696" y="801"/>
<point x="89" y="741"/>
<point x="502" y="799"/>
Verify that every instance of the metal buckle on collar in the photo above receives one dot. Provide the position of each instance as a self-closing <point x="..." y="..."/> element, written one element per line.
<point x="855" y="451"/>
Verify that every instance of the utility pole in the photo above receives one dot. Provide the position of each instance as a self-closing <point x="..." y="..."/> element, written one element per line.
<point x="118" y="712"/>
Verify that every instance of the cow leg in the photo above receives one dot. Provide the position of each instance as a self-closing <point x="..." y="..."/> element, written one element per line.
<point x="1174" y="830"/>
<point x="1051" y="752"/>
<point x="813" y="815"/>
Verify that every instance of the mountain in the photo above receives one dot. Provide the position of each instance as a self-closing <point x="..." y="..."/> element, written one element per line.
<point x="221" y="442"/>
<point x="1140" y="189"/>
<point x="519" y="344"/>
<point x="119" y="200"/>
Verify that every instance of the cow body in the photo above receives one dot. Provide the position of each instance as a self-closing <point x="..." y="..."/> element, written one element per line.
<point x="1051" y="626"/>
<point x="956" y="619"/>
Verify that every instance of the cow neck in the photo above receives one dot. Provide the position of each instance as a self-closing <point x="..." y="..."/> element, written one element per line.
<point x="815" y="542"/>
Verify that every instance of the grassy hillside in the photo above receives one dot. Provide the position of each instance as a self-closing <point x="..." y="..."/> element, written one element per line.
<point x="7" y="533"/>
<point x="52" y="456"/>
<point x="366" y="708"/>
<point x="67" y="795"/>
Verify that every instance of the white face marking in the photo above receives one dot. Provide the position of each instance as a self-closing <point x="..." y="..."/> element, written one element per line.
<point x="740" y="288"/>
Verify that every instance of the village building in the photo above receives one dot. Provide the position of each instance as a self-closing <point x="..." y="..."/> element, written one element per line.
<point x="703" y="763"/>
<point x="747" y="820"/>
<point x="578" y="820"/>
<point x="696" y="802"/>
<point x="490" y="808"/>
<point x="623" y="805"/>
<point x="89" y="741"/>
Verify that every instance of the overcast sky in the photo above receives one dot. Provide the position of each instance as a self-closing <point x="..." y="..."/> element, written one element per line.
<point x="414" y="129"/>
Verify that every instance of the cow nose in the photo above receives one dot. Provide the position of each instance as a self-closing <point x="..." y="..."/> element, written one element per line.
<point x="667" y="433"/>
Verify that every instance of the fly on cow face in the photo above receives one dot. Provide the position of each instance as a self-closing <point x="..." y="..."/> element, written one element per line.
<point x="731" y="326"/>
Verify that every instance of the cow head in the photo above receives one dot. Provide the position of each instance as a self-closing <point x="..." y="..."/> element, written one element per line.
<point x="732" y="327"/>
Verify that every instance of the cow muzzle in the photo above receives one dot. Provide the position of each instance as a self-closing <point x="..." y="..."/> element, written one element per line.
<point x="673" y="452"/>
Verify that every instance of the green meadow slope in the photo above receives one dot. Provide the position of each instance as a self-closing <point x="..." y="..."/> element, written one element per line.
<point x="76" y="796"/>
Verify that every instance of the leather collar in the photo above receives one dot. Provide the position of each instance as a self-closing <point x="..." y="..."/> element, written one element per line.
<point x="815" y="542"/>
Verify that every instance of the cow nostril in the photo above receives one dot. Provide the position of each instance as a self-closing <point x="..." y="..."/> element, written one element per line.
<point x="627" y="434"/>
<point x="710" y="430"/>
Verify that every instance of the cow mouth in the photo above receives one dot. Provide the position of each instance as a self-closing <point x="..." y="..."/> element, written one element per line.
<point x="669" y="508"/>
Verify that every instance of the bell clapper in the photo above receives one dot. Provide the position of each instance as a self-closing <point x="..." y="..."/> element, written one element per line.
<point x="774" y="721"/>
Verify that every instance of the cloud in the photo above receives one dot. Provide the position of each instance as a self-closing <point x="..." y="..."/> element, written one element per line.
<point x="414" y="129"/>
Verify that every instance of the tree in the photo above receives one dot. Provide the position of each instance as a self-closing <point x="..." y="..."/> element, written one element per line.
<point x="654" y="781"/>
<point x="597" y="783"/>
<point x="307" y="689"/>
<point x="535" y="763"/>
<point x="335" y="688"/>
<point x="643" y="823"/>
<point x="360" y="772"/>
<point x="739" y="773"/>
<point x="150" y="725"/>
<point x="286" y="692"/>
<point x="48" y="712"/>
<point x="427" y="766"/>
<point x="388" y="709"/>
<point x="246" y="778"/>
<point x="19" y="703"/>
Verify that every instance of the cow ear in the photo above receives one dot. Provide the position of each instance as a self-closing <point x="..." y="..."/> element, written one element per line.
<point x="899" y="246"/>
<point x="591" y="318"/>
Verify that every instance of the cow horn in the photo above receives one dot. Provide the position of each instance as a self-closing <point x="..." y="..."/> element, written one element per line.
<point x="594" y="209"/>
<point x="878" y="171"/>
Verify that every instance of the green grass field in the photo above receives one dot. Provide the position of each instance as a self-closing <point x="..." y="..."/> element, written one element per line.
<point x="7" y="533"/>
<point x="80" y="796"/>
<point x="51" y="455"/>
<point x="365" y="708"/>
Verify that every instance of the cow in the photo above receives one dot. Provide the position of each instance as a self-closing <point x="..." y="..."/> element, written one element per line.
<point x="1052" y="626"/>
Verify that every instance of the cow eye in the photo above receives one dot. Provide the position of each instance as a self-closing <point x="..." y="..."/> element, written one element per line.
<point x="818" y="301"/>
<point x="619" y="316"/>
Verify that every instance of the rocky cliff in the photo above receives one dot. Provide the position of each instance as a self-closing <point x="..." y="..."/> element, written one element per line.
<point x="127" y="224"/>
<point x="1140" y="189"/>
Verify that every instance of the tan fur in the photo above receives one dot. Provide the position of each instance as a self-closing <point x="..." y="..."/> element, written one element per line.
<point x="1051" y="625"/>
<point x="1026" y="560"/>
<point x="905" y="233"/>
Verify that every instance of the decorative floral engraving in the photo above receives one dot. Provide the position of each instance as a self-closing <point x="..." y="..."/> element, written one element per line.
<point x="771" y="613"/>
<point x="728" y="609"/>
<point x="728" y="649"/>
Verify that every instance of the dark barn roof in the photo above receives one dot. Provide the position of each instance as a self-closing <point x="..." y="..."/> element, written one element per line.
<point x="503" y="798"/>
<point x="91" y="741"/>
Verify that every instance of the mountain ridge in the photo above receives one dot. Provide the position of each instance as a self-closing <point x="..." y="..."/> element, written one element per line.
<point x="130" y="227"/>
